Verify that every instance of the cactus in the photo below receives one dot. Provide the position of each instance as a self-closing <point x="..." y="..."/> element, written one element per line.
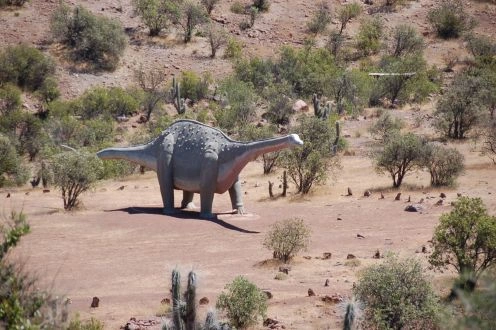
<point x="184" y="311"/>
<point x="175" y="92"/>
<point x="320" y="112"/>
<point x="336" y="140"/>
<point x="349" y="317"/>
<point x="316" y="105"/>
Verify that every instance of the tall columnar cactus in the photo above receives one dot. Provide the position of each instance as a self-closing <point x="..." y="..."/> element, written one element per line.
<point x="175" y="92"/>
<point x="176" y="301"/>
<point x="316" y="105"/>
<point x="318" y="110"/>
<point x="190" y="296"/>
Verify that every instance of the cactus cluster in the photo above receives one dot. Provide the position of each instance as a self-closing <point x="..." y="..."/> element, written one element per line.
<point x="184" y="307"/>
<point x="175" y="93"/>
<point x="336" y="140"/>
<point x="322" y="112"/>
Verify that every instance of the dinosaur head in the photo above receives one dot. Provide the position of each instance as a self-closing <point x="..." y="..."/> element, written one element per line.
<point x="295" y="139"/>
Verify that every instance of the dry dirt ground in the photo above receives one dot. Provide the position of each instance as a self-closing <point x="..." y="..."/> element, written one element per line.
<point x="120" y="248"/>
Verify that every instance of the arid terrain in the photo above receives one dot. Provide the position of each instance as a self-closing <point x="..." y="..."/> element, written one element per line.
<point x="119" y="247"/>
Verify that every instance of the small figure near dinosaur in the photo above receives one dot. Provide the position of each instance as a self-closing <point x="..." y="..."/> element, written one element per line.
<point x="197" y="158"/>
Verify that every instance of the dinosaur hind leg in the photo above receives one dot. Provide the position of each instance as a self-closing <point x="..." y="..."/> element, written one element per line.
<point x="164" y="173"/>
<point x="236" y="199"/>
<point x="187" y="202"/>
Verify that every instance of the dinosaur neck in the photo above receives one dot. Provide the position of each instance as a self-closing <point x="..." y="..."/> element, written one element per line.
<point x="141" y="155"/>
<point x="257" y="148"/>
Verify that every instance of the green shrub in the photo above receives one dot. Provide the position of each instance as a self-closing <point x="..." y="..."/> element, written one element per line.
<point x="105" y="102"/>
<point x="347" y="12"/>
<point x="11" y="169"/>
<point x="444" y="164"/>
<point x="397" y="295"/>
<point x="233" y="49"/>
<point x="256" y="71"/>
<point x="237" y="7"/>
<point x="309" y="164"/>
<point x="156" y="14"/>
<point x="405" y="40"/>
<point x="286" y="238"/>
<point x="18" y="3"/>
<point x="369" y="36"/>
<point x="385" y="126"/>
<point x="243" y="303"/>
<point x="241" y="98"/>
<point x="97" y="40"/>
<point x="75" y="173"/>
<point x="10" y="98"/>
<point x="320" y="19"/>
<point x="351" y="91"/>
<point x="449" y="19"/>
<point x="49" y="90"/>
<point x="465" y="239"/>
<point x="193" y="87"/>
<point x="401" y="154"/>
<point x="280" y="98"/>
<point x="25" y="66"/>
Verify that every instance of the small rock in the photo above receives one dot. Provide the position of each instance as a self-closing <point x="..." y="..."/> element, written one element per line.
<point x="367" y="193"/>
<point x="268" y="322"/>
<point x="8" y="195"/>
<point x="45" y="191"/>
<point x="300" y="106"/>
<point x="382" y="196"/>
<point x="284" y="269"/>
<point x="398" y="197"/>
<point x="333" y="299"/>
<point x="350" y="256"/>
<point x="165" y="301"/>
<point x="424" y="249"/>
<point x="326" y="282"/>
<point x="409" y="199"/>
<point x="121" y="188"/>
<point x="349" y="192"/>
<point x="311" y="293"/>
<point x="204" y="301"/>
<point x="307" y="257"/>
<point x="459" y="194"/>
<point x="95" y="302"/>
<point x="327" y="255"/>
<point x="442" y="195"/>
<point x="339" y="218"/>
<point x="421" y="201"/>
<point x="413" y="208"/>
<point x="268" y="294"/>
<point x="27" y="193"/>
<point x="439" y="202"/>
<point x="377" y="254"/>
<point x="360" y="236"/>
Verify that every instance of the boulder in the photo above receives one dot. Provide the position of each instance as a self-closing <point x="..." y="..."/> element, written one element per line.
<point x="413" y="208"/>
<point x="300" y="106"/>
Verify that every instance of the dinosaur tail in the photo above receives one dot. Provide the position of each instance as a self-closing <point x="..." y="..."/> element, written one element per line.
<point x="141" y="155"/>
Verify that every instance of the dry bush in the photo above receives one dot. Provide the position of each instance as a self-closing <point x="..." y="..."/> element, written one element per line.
<point x="286" y="238"/>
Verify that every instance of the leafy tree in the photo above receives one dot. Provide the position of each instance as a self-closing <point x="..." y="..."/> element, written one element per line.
<point x="397" y="295"/>
<point x="308" y="165"/>
<point x="280" y="99"/>
<point x="286" y="238"/>
<point x="405" y="40"/>
<point x="351" y="90"/>
<point x="217" y="37"/>
<point x="75" y="173"/>
<point x="414" y="82"/>
<point x="243" y="303"/>
<point x="386" y="126"/>
<point x="320" y="19"/>
<point x="401" y="154"/>
<point x="347" y="12"/>
<point x="192" y="15"/>
<point x="256" y="70"/>
<point x="335" y="42"/>
<point x="49" y="90"/>
<point x="465" y="239"/>
<point x="449" y="19"/>
<point x="241" y="99"/>
<point x="98" y="40"/>
<point x="156" y="14"/>
<point x="461" y="107"/>
<point x="368" y="40"/>
<point x="25" y="66"/>
<point x="489" y="145"/>
<point x="444" y="164"/>
<point x="11" y="168"/>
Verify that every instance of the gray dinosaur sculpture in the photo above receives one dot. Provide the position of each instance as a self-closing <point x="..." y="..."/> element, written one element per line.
<point x="197" y="158"/>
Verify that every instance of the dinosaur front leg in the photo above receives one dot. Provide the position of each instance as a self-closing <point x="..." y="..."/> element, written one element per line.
<point x="208" y="182"/>
<point x="236" y="199"/>
<point x="164" y="173"/>
<point x="187" y="202"/>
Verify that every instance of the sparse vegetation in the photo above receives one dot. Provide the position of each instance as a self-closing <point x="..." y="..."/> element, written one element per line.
<point x="12" y="171"/>
<point x="465" y="240"/>
<point x="396" y="295"/>
<point x="157" y="14"/>
<point x="286" y="238"/>
<point x="368" y="40"/>
<point x="192" y="15"/>
<point x="243" y="303"/>
<point x="449" y="19"/>
<point x="320" y="19"/>
<point x="75" y="173"/>
<point x="217" y="37"/>
<point x="209" y="5"/>
<point x="261" y="5"/>
<point x="385" y="126"/>
<point x="96" y="40"/>
<point x="347" y="12"/>
<point x="17" y="3"/>
<point x="194" y="87"/>
<point x="405" y="40"/>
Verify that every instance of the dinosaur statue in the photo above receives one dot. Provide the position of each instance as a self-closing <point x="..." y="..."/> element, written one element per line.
<point x="197" y="158"/>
